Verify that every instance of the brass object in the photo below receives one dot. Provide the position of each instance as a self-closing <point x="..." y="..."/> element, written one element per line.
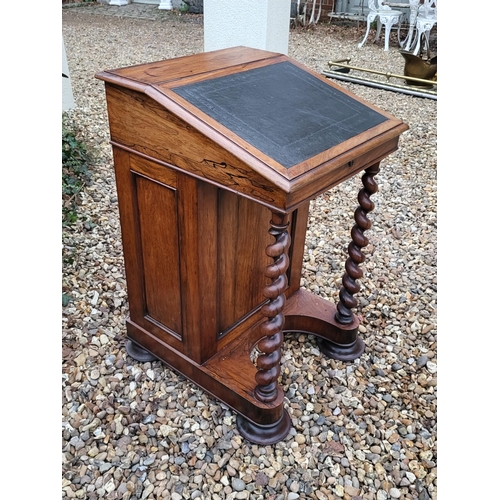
<point x="347" y="67"/>
<point x="417" y="67"/>
<point x="412" y="85"/>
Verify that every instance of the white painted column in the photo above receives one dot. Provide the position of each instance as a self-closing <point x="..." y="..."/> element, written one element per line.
<point x="68" y="101"/>
<point x="118" y="2"/>
<point x="166" y="5"/>
<point x="261" y="24"/>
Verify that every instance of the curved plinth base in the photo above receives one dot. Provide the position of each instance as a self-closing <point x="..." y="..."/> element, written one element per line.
<point x="264" y="434"/>
<point x="136" y="352"/>
<point x="341" y="352"/>
<point x="308" y="313"/>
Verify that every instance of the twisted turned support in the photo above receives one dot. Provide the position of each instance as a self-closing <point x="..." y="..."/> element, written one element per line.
<point x="268" y="362"/>
<point x="356" y="256"/>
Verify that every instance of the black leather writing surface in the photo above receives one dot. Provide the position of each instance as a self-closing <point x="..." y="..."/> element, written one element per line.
<point x="282" y="110"/>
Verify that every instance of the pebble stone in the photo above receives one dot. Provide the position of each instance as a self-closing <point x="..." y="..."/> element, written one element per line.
<point x="395" y="493"/>
<point x="238" y="484"/>
<point x="365" y="429"/>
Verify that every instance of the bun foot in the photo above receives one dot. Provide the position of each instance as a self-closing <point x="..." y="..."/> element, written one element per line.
<point x="136" y="352"/>
<point x="265" y="434"/>
<point x="341" y="352"/>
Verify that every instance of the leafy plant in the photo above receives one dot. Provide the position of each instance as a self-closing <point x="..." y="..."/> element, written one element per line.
<point x="194" y="6"/>
<point x="66" y="299"/>
<point x="76" y="160"/>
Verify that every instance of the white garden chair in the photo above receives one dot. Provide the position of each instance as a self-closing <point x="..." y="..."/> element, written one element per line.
<point x="426" y="19"/>
<point x="385" y="16"/>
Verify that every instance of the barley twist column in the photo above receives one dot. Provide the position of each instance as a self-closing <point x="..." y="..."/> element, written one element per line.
<point x="268" y="362"/>
<point x="356" y="256"/>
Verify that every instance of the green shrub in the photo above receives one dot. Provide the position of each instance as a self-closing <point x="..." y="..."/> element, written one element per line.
<point x="76" y="160"/>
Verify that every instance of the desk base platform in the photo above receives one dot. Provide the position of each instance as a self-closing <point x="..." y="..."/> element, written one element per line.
<point x="229" y="375"/>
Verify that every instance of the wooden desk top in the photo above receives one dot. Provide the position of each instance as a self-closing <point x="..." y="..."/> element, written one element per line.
<point x="282" y="110"/>
<point x="287" y="123"/>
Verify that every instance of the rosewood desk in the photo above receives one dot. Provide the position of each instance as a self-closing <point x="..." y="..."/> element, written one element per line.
<point x="217" y="156"/>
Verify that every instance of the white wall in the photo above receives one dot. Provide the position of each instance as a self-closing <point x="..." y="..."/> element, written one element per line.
<point x="68" y="101"/>
<point x="261" y="24"/>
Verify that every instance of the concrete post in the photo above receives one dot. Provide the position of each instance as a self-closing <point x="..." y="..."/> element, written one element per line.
<point x="261" y="24"/>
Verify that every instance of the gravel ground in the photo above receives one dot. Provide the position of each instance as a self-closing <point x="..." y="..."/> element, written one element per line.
<point x="361" y="430"/>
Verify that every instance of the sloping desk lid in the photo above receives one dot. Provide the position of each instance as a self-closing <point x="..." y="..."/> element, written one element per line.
<point x="268" y="110"/>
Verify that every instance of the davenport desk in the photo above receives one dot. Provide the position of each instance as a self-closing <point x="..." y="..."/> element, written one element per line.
<point x="217" y="156"/>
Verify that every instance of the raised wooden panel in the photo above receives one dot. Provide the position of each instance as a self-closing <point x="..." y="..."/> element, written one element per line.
<point x="243" y="236"/>
<point x="159" y="239"/>
<point x="207" y="197"/>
